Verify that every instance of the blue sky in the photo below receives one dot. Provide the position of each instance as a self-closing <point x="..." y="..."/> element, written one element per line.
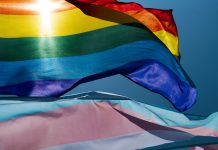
<point x="197" y="23"/>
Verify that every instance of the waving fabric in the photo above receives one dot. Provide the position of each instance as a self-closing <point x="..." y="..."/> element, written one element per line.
<point x="49" y="47"/>
<point x="98" y="120"/>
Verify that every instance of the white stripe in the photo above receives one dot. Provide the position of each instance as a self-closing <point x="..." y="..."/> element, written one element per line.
<point x="126" y="142"/>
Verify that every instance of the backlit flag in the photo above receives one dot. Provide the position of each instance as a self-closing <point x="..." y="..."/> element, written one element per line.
<point x="97" y="121"/>
<point x="160" y="22"/>
<point x="49" y="47"/>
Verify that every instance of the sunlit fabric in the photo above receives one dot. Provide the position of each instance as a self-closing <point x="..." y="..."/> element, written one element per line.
<point x="160" y="22"/>
<point x="98" y="120"/>
<point x="49" y="47"/>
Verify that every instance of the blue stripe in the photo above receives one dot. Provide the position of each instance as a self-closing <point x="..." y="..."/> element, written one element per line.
<point x="148" y="73"/>
<point x="81" y="66"/>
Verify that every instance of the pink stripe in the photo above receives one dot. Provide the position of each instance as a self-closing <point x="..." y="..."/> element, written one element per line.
<point x="209" y="147"/>
<point x="78" y="123"/>
<point x="199" y="131"/>
<point x="196" y="131"/>
<point x="74" y="124"/>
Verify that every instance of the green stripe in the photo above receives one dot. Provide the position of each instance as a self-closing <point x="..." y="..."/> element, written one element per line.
<point x="80" y="44"/>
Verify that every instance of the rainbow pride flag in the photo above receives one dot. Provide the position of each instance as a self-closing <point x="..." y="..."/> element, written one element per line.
<point x="160" y="22"/>
<point x="96" y="121"/>
<point x="49" y="47"/>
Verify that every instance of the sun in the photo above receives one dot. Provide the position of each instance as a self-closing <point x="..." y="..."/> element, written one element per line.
<point x="45" y="9"/>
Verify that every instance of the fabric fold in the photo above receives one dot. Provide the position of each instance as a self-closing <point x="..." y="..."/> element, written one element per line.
<point x="96" y="120"/>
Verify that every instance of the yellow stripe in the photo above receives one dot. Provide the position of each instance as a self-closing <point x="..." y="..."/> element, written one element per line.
<point x="66" y="23"/>
<point x="169" y="40"/>
<point x="57" y="24"/>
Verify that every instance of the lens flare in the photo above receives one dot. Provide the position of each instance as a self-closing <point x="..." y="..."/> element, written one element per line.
<point x="45" y="9"/>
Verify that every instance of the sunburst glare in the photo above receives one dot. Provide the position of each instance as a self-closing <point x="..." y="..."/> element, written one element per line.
<point x="45" y="9"/>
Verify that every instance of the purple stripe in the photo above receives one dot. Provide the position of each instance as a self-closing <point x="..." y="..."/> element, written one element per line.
<point x="158" y="78"/>
<point x="150" y="74"/>
<point x="41" y="88"/>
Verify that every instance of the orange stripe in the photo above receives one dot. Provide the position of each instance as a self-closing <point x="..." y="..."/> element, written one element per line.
<point x="25" y="1"/>
<point x="26" y="7"/>
<point x="166" y="19"/>
<point x="154" y="18"/>
<point x="149" y="20"/>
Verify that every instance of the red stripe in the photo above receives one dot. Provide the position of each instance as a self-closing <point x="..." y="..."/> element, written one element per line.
<point x="163" y="18"/>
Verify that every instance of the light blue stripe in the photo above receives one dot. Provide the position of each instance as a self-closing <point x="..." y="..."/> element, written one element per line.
<point x="169" y="118"/>
<point x="163" y="117"/>
<point x="80" y="66"/>
<point x="18" y="109"/>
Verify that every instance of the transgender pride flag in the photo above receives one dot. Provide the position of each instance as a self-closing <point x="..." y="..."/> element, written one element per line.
<point x="99" y="121"/>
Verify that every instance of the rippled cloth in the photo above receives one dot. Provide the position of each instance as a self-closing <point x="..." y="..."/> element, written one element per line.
<point x="98" y="120"/>
<point x="49" y="47"/>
